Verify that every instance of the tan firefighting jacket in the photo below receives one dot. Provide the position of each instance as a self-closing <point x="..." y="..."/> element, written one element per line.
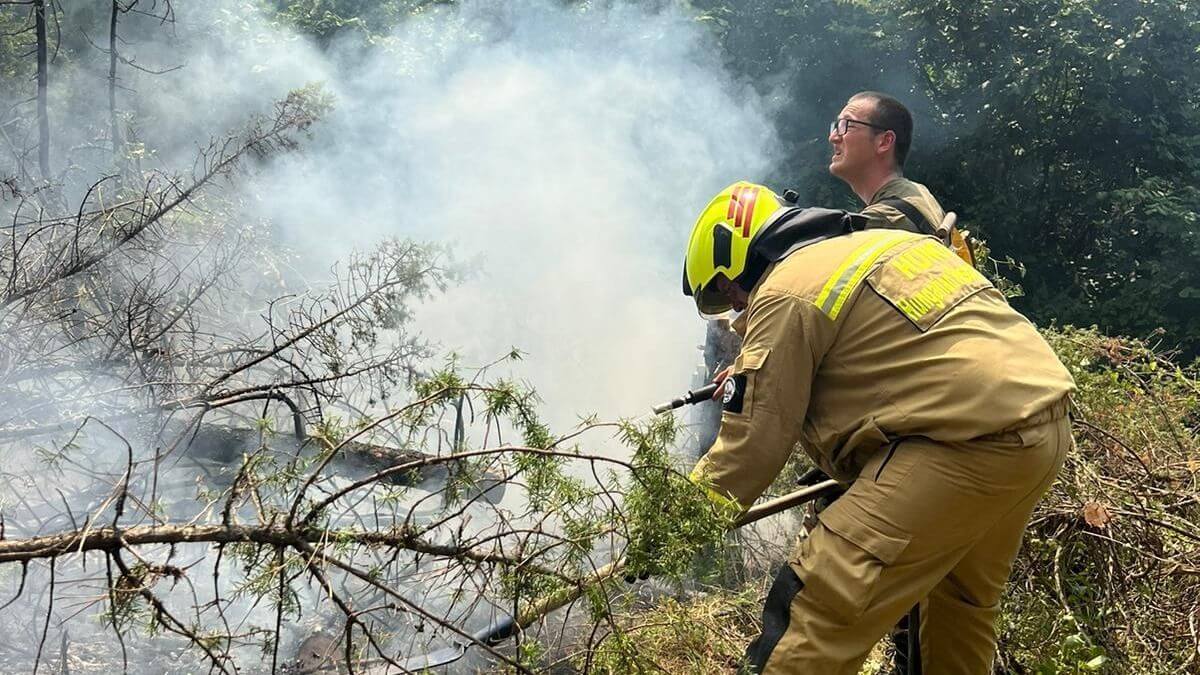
<point x="885" y="216"/>
<point x="868" y="337"/>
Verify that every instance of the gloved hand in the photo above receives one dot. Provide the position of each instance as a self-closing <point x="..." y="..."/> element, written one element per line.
<point x="719" y="379"/>
<point x="814" y="476"/>
<point x="641" y="556"/>
<point x="631" y="576"/>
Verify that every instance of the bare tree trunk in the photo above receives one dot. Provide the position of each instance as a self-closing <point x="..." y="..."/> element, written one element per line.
<point x="39" y="10"/>
<point x="112" y="80"/>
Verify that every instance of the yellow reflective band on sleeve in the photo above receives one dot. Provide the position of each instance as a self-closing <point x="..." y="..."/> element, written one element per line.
<point x="724" y="502"/>
<point x="851" y="272"/>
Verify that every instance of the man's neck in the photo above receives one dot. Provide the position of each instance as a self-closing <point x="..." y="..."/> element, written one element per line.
<point x="870" y="184"/>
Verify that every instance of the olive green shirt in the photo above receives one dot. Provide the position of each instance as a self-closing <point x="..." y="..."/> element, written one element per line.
<point x="884" y="216"/>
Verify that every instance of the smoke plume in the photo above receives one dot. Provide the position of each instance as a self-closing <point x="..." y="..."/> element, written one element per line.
<point x="561" y="151"/>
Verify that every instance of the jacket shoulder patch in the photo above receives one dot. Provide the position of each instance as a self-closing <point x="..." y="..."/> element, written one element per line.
<point x="926" y="281"/>
<point x="736" y="394"/>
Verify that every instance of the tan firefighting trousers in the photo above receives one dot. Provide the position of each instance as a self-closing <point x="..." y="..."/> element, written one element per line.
<point x="938" y="522"/>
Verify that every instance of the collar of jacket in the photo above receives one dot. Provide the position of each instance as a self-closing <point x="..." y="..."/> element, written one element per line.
<point x="790" y="231"/>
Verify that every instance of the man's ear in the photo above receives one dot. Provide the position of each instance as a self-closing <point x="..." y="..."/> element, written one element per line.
<point x="886" y="140"/>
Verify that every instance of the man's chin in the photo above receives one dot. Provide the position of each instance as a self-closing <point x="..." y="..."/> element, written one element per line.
<point x="835" y="167"/>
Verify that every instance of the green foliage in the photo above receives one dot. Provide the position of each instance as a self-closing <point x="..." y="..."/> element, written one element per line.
<point x="1076" y="656"/>
<point x="531" y="652"/>
<point x="366" y="20"/>
<point x="1072" y="126"/>
<point x="671" y="519"/>
<point x="125" y="606"/>
<point x="1098" y="587"/>
<point x="443" y="384"/>
<point x="330" y="431"/>
<point x="14" y="65"/>
<point x="261" y="580"/>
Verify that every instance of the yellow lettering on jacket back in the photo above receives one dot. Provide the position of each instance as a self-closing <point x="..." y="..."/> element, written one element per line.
<point x="926" y="281"/>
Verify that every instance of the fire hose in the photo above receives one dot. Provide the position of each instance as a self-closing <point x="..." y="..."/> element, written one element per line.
<point x="690" y="398"/>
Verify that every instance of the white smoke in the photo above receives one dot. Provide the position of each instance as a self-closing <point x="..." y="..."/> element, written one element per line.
<point x="564" y="152"/>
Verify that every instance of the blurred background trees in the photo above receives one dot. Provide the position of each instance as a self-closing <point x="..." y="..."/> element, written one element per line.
<point x="1065" y="132"/>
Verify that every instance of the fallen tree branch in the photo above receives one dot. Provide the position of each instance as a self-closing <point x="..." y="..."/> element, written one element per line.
<point x="115" y="539"/>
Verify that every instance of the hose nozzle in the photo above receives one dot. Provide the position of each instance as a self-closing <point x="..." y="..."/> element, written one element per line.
<point x="690" y="398"/>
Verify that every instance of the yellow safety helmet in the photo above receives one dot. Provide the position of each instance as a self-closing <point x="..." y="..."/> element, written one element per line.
<point x="721" y="239"/>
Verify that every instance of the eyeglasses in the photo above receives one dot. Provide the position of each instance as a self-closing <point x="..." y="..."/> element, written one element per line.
<point x="839" y="126"/>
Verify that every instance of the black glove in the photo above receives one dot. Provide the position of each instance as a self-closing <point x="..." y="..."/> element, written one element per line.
<point x="632" y="576"/>
<point x="641" y="556"/>
<point x="814" y="508"/>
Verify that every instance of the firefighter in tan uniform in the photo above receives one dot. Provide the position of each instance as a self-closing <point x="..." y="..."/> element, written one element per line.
<point x="904" y="374"/>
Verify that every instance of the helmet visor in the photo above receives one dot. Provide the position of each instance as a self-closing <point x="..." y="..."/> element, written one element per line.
<point x="712" y="303"/>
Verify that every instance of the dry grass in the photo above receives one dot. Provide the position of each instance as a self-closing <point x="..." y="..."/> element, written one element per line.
<point x="706" y="635"/>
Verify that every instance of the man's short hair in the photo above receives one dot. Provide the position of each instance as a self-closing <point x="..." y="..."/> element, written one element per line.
<point x="890" y="114"/>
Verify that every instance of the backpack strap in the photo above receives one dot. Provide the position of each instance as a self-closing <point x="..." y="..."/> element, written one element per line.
<point x="946" y="231"/>
<point x="912" y="213"/>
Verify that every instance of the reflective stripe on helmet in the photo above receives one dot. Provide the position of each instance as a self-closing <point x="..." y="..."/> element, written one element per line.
<point x="745" y="215"/>
<point x="722" y="247"/>
<point x="720" y="240"/>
